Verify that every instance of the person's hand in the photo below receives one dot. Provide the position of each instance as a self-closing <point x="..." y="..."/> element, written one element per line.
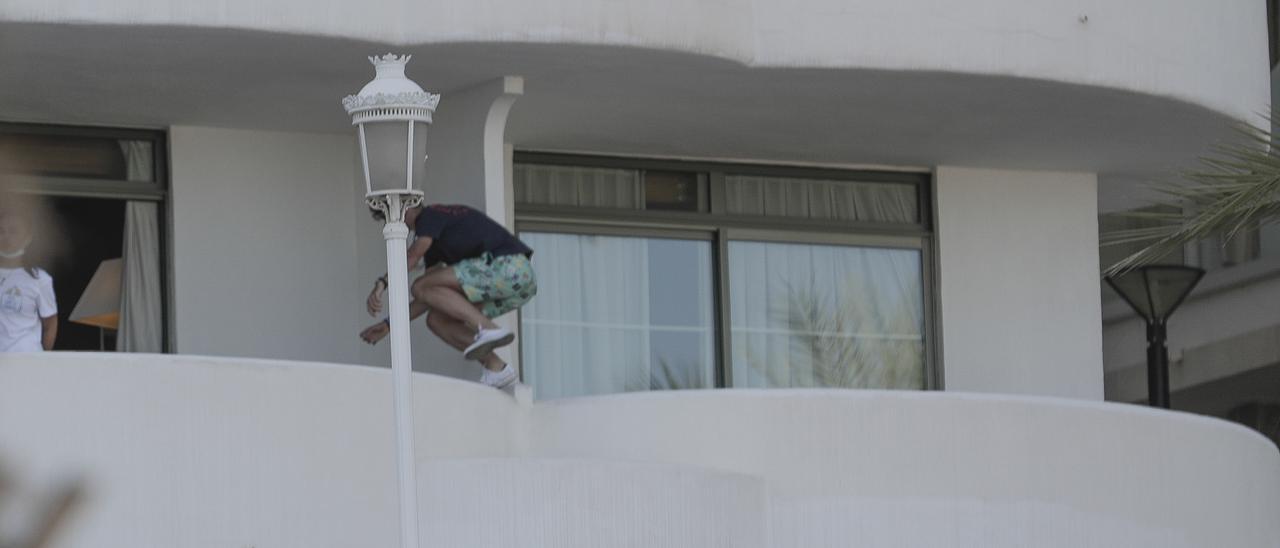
<point x="374" y="303"/>
<point x="375" y="332"/>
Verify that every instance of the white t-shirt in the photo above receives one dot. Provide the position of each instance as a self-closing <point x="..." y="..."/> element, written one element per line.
<point x="24" y="300"/>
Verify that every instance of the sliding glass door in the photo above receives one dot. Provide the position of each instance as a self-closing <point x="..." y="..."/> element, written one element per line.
<point x="618" y="314"/>
<point x="662" y="275"/>
<point x="823" y="315"/>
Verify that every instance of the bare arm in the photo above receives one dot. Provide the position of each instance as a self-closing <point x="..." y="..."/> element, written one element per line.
<point x="49" y="332"/>
<point x="417" y="251"/>
<point x="380" y="330"/>
<point x="413" y="256"/>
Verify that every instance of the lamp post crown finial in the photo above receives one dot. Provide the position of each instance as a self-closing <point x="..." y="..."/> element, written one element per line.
<point x="391" y="88"/>
<point x="389" y="59"/>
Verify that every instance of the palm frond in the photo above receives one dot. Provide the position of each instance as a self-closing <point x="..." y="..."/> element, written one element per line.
<point x="1234" y="189"/>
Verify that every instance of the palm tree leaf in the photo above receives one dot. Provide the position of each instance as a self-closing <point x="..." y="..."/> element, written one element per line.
<point x="1234" y="189"/>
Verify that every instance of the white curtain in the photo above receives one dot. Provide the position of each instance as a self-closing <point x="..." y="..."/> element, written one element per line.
<point x="138" y="160"/>
<point x="141" y="315"/>
<point x="826" y="316"/>
<point x="587" y="330"/>
<point x="821" y="199"/>
<point x="577" y="186"/>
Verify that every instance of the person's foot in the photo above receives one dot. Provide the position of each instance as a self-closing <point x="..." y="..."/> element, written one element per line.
<point x="487" y="340"/>
<point x="499" y="379"/>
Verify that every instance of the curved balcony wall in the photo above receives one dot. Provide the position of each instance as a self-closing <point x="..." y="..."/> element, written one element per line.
<point x="949" y="469"/>
<point x="589" y="503"/>
<point x="1207" y="52"/>
<point x="187" y="451"/>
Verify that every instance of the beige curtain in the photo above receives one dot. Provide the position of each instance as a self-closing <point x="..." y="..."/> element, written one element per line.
<point x="538" y="184"/>
<point x="821" y="199"/>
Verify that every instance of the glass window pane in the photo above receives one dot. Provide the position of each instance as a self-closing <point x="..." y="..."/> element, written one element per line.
<point x="821" y="199"/>
<point x="671" y="190"/>
<point x="1269" y="235"/>
<point x="617" y="314"/>
<point x="539" y="184"/>
<point x="1154" y="218"/>
<point x="826" y="316"/>
<point x="1111" y="222"/>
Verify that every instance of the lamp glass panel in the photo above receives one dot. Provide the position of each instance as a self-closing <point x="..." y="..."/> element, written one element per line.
<point x="1133" y="287"/>
<point x="419" y="155"/>
<point x="386" y="144"/>
<point x="1168" y="286"/>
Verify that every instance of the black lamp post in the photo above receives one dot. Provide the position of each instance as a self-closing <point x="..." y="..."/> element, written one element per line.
<point x="1155" y="291"/>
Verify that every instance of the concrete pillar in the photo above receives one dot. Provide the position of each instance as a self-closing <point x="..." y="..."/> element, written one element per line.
<point x="1019" y="282"/>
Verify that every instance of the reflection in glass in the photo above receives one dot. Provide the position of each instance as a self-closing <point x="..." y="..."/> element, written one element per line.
<point x="617" y="314"/>
<point x="671" y="190"/>
<point x="826" y="316"/>
<point x="76" y="157"/>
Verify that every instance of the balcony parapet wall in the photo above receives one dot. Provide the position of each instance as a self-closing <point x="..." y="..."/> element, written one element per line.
<point x="190" y="451"/>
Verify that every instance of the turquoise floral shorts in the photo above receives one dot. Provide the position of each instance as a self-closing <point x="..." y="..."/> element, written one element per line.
<point x="498" y="284"/>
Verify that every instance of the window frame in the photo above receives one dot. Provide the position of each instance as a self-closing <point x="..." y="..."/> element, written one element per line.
<point x="931" y="379"/>
<point x="625" y="231"/>
<point x="87" y="187"/>
<point x="720" y="228"/>
<point x="1273" y="32"/>
<point x="156" y="190"/>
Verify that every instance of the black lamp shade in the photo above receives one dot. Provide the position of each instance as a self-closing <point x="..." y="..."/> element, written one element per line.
<point x="1155" y="291"/>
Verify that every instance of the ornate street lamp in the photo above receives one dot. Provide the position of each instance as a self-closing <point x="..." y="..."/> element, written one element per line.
<point x="1155" y="291"/>
<point x="391" y="115"/>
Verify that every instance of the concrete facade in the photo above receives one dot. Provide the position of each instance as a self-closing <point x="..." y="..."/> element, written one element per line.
<point x="230" y="283"/>
<point x="1032" y="116"/>
<point x="993" y="226"/>
<point x="1016" y="252"/>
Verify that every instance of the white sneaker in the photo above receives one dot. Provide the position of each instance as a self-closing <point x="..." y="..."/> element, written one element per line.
<point x="487" y="340"/>
<point x="499" y="379"/>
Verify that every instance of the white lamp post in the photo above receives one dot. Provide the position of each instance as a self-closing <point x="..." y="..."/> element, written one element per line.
<point x="391" y="114"/>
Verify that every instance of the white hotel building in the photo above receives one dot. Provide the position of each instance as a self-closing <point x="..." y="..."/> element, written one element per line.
<point x="791" y="207"/>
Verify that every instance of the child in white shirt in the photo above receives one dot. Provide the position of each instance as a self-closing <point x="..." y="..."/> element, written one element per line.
<point x="28" y="310"/>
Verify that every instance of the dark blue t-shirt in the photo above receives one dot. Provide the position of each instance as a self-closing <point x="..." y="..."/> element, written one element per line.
<point x="459" y="232"/>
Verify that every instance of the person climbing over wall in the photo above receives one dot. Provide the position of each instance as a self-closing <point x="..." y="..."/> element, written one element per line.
<point x="477" y="270"/>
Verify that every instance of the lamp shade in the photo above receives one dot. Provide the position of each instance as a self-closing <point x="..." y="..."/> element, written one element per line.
<point x="99" y="305"/>
<point x="1155" y="291"/>
<point x="391" y="115"/>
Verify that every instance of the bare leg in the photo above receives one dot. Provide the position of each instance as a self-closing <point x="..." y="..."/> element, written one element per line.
<point x="451" y="331"/>
<point x="455" y="333"/>
<point x="440" y="290"/>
